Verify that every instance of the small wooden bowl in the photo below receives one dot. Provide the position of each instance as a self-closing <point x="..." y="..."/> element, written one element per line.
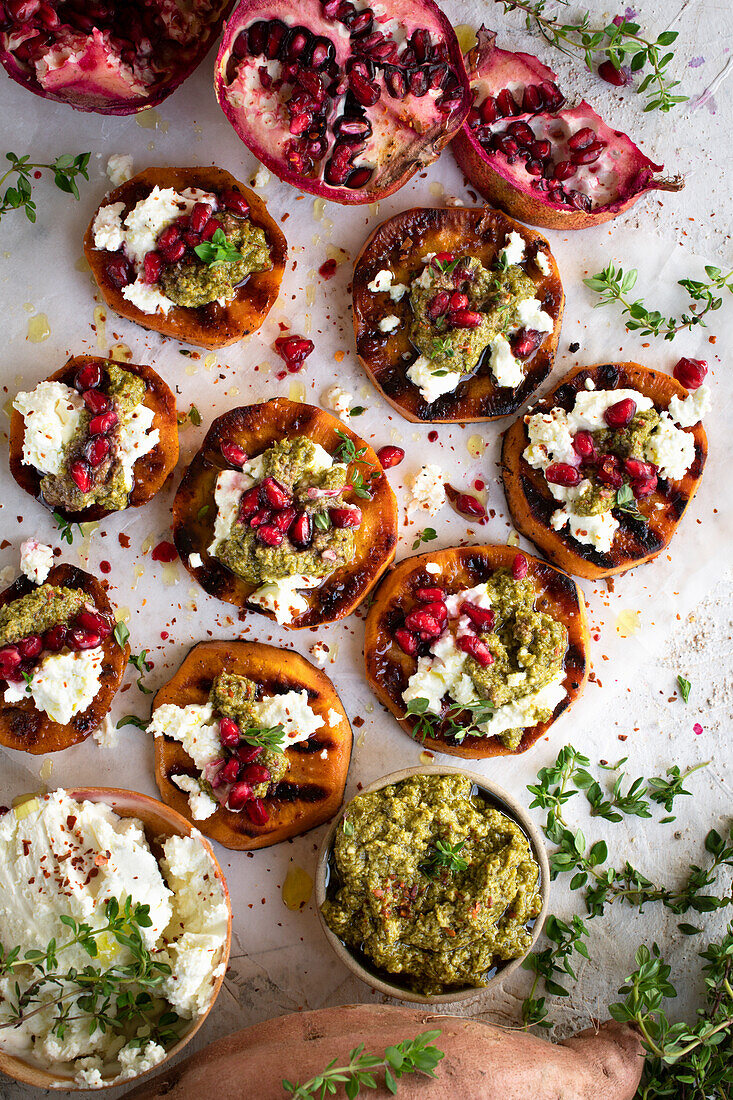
<point x="159" y="822"/>
<point x="506" y="803"/>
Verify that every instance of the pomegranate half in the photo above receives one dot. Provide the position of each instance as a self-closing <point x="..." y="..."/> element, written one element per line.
<point x="339" y="99"/>
<point x="110" y="56"/>
<point x="550" y="165"/>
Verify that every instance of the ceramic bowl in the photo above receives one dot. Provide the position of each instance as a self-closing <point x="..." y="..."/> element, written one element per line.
<point x="504" y="802"/>
<point x="159" y="822"/>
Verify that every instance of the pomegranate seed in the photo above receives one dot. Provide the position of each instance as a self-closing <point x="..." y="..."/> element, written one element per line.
<point x="239" y="796"/>
<point x="430" y="595"/>
<point x="345" y="517"/>
<point x="526" y="342"/>
<point x="644" y="486"/>
<point x="233" y="453"/>
<point x="521" y="131"/>
<point x="395" y="83"/>
<point x="339" y="166"/>
<point x="293" y="349"/>
<point x="638" y="470"/>
<point x="469" y="505"/>
<point x="563" y="170"/>
<point x="230" y="772"/>
<point x="358" y="177"/>
<point x="234" y="201"/>
<point x="22" y="10"/>
<point x="152" y="267"/>
<point x="581" y="139"/>
<point x="164" y="552"/>
<point x="390" y="456"/>
<point x="407" y="641"/>
<point x="55" y="638"/>
<point x="169" y="236"/>
<point x="442" y="258"/>
<point x="321" y="53"/>
<point x="283" y="519"/>
<point x="30" y="646"/>
<point x="608" y="72"/>
<point x="534" y="167"/>
<point x="118" y="271"/>
<point x="506" y="143"/>
<point x="608" y="471"/>
<point x="437" y="609"/>
<point x="520" y="567"/>
<point x="364" y="90"/>
<point x="584" y="444"/>
<point x="300" y="123"/>
<point x="418" y="82"/>
<point x="81" y="475"/>
<point x="621" y="414"/>
<point x="438" y="305"/>
<point x="262" y="515"/>
<point x="256" y="773"/>
<point x="551" y="94"/>
<point x="580" y="200"/>
<point x="489" y="110"/>
<point x="690" y="372"/>
<point x="481" y="617"/>
<point x="277" y="495"/>
<point x="269" y="535"/>
<point x="589" y="155"/>
<point x="10" y="658"/>
<point x="464" y="318"/>
<point x="97" y="450"/>
<point x="458" y="301"/>
<point x="93" y="622"/>
<point x="540" y="149"/>
<point x="210" y="229"/>
<point x="228" y="732"/>
<point x="77" y="638"/>
<point x="247" y="753"/>
<point x="562" y="473"/>
<point x="301" y="531"/>
<point x="424" y="623"/>
<point x="475" y="648"/>
<point x="103" y="423"/>
<point x="506" y="104"/>
<point x="249" y="503"/>
<point x="192" y="239"/>
<point x="88" y="377"/>
<point x="174" y="252"/>
<point x="96" y="401"/>
<point x="199" y="216"/>
<point x="531" y="100"/>
<point x="256" y="811"/>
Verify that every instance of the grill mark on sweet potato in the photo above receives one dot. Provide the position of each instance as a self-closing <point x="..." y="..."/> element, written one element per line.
<point x="309" y="793"/>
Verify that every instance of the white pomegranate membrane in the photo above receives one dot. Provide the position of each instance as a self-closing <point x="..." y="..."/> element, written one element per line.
<point x="561" y="445"/>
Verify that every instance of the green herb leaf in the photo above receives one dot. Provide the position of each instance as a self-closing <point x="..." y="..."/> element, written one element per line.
<point x="418" y="1055"/>
<point x="121" y="634"/>
<point x="218" y="250"/>
<point x="65" y="169"/>
<point x="429" y="534"/>
<point x="131" y="720"/>
<point x="357" y="410"/>
<point x="268" y="737"/>
<point x="684" y="686"/>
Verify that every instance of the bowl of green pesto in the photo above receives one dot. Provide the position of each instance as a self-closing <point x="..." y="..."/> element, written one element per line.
<point x="432" y="884"/>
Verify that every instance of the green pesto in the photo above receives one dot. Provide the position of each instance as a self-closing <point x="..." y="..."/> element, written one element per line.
<point x="233" y="696"/>
<point x="630" y="442"/>
<point x="292" y="462"/>
<point x="441" y="929"/>
<point x="193" y="283"/>
<point x="38" y="611"/>
<point x="493" y="294"/>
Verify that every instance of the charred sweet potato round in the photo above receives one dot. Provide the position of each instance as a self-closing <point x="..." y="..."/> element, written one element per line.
<point x="150" y="471"/>
<point x="213" y="325"/>
<point x="313" y="787"/>
<point x="400" y="245"/>
<point x="24" y="727"/>
<point x="254" y="428"/>
<point x="388" y="667"/>
<point x="637" y="540"/>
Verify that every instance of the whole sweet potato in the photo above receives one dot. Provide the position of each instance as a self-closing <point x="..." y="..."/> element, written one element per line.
<point x="482" y="1061"/>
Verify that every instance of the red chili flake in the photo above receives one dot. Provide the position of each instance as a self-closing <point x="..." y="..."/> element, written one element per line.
<point x="432" y="437"/>
<point x="328" y="270"/>
<point x="124" y="541"/>
<point x="697" y="728"/>
<point x="105" y="567"/>
<point x="164" y="551"/>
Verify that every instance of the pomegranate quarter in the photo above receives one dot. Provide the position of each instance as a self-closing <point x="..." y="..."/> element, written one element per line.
<point x="338" y="99"/>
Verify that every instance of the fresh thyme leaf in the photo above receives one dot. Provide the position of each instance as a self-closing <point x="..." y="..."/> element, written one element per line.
<point x="321" y="521"/>
<point x="427" y="535"/>
<point x="137" y="660"/>
<point x="218" y="250"/>
<point x="418" y="1055"/>
<point x="445" y="855"/>
<point x="65" y="532"/>
<point x="425" y="723"/>
<point x="685" y="687"/>
<point x="131" y="720"/>
<point x="346" y="450"/>
<point x="357" y="410"/>
<point x="268" y="737"/>
<point x="28" y="681"/>
<point x="626" y="503"/>
<point x="65" y="169"/>
<point x="501" y="263"/>
<point x="193" y="415"/>
<point x="121" y="634"/>
<point x="203" y="511"/>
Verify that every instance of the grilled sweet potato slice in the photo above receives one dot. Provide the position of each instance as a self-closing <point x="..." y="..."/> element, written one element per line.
<point x="313" y="787"/>
<point x="24" y="727"/>
<point x="388" y="668"/>
<point x="150" y="471"/>
<point x="255" y="428"/>
<point x="213" y="325"/>
<point x="531" y="504"/>
<point x="399" y="244"/>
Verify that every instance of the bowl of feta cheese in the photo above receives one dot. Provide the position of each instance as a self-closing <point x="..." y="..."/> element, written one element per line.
<point x="115" y="930"/>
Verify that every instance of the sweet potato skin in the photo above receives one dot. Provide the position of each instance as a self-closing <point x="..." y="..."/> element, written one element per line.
<point x="482" y="1061"/>
<point x="150" y="471"/>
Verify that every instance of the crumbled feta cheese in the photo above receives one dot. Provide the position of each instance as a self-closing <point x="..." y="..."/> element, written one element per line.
<point x="690" y="410"/>
<point x="321" y="654"/>
<point x="507" y="370"/>
<point x="338" y="401"/>
<point x="151" y="215"/>
<point x="671" y="449"/>
<point x="193" y="726"/>
<point x="195" y="561"/>
<point x="136" y="440"/>
<point x="51" y="414"/>
<point x="550" y="439"/>
<point x="532" y="316"/>
<point x="200" y="803"/>
<point x="334" y="718"/>
<point x="107" y="227"/>
<point x="119" y="170"/>
<point x="292" y="711"/>
<point x="432" y="381"/>
<point x="427" y="492"/>
<point x="283" y="598"/>
<point x="596" y="531"/>
<point x="88" y="1073"/>
<point x="262" y="178"/>
<point x="433" y="568"/>
<point x="147" y="297"/>
<point x="590" y="406"/>
<point x="230" y="484"/>
<point x="106" y="735"/>
<point x="543" y="263"/>
<point x="136" y="1060"/>
<point x="382" y="283"/>
<point x="36" y="560"/>
<point x="63" y="684"/>
<point x="389" y="324"/>
<point x="513" y="250"/>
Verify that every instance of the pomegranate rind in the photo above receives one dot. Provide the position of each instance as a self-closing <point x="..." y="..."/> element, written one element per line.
<point x="399" y="244"/>
<point x="531" y="503"/>
<point x="150" y="472"/>
<point x="214" y="325"/>
<point x="88" y="75"/>
<point x="388" y="667"/>
<point x="405" y="141"/>
<point x="318" y="767"/>
<point x="490" y="70"/>
<point x="27" y="729"/>
<point x="254" y="428"/>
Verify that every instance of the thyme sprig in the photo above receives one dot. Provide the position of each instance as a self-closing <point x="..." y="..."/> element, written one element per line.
<point x="266" y="737"/>
<point x="418" y="1055"/>
<point x="428" y="534"/>
<point x="445" y="856"/>
<point x="453" y="723"/>
<point x="218" y="250"/>
<point x="64" y="526"/>
<point x="619" y="41"/>
<point x="120" y="998"/>
<point x="362" y="486"/>
<point x="65" y="168"/>
<point x="614" y="284"/>
<point x="138" y="661"/>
